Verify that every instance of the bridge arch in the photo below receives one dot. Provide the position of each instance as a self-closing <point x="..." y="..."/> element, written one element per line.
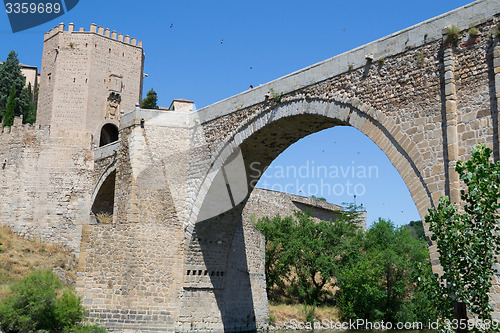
<point x="103" y="196"/>
<point x="262" y="138"/>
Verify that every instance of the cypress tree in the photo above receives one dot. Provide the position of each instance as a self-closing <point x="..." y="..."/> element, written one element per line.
<point x="11" y="75"/>
<point x="8" y="118"/>
<point x="150" y="101"/>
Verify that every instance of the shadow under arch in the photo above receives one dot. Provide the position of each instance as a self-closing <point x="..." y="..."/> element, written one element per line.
<point x="103" y="196"/>
<point x="259" y="141"/>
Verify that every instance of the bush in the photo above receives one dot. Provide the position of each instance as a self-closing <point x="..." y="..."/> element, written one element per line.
<point x="33" y="305"/>
<point x="378" y="286"/>
<point x="309" y="312"/>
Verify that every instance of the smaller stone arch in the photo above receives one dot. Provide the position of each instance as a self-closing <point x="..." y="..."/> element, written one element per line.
<point x="109" y="134"/>
<point x="103" y="197"/>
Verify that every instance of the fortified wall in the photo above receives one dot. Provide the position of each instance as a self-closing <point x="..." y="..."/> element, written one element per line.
<point x="270" y="203"/>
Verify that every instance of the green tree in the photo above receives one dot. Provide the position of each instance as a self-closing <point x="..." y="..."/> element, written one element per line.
<point x="322" y="249"/>
<point x="8" y="118"/>
<point x="318" y="198"/>
<point x="467" y="240"/>
<point x="306" y="253"/>
<point x="279" y="256"/>
<point x="29" y="111"/>
<point x="11" y="75"/>
<point x="416" y="229"/>
<point x="376" y="286"/>
<point x="150" y="101"/>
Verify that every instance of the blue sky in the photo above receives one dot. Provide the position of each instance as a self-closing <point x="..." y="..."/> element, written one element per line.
<point x="216" y="49"/>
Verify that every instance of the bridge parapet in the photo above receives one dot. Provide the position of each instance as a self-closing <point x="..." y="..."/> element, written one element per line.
<point x="107" y="150"/>
<point x="158" y="118"/>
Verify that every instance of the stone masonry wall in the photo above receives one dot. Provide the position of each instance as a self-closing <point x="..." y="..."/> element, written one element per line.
<point x="45" y="184"/>
<point x="423" y="102"/>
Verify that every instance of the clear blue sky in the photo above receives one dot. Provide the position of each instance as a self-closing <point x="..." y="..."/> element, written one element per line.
<point x="262" y="40"/>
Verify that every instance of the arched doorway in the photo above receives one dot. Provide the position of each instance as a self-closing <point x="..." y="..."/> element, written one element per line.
<point x="109" y="134"/>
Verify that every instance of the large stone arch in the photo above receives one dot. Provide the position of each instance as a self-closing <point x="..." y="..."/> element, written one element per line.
<point x="263" y="137"/>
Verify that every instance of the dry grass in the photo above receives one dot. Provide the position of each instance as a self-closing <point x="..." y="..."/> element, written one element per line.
<point x="104" y="217"/>
<point x="20" y="256"/>
<point x="284" y="313"/>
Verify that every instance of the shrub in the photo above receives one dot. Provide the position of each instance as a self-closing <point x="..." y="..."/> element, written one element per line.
<point x="69" y="310"/>
<point x="276" y="96"/>
<point x="453" y="34"/>
<point x="473" y="32"/>
<point x="33" y="305"/>
<point x="272" y="319"/>
<point x="309" y="312"/>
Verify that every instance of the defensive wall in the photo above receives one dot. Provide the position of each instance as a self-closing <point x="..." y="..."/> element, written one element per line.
<point x="263" y="202"/>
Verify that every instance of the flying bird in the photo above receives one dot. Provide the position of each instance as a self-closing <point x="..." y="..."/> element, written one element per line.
<point x="251" y="67"/>
<point x="221" y="41"/>
<point x="171" y="25"/>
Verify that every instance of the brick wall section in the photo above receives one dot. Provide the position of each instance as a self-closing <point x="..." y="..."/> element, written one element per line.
<point x="129" y="274"/>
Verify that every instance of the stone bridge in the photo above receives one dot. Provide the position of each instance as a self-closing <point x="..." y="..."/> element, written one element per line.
<point x="180" y="253"/>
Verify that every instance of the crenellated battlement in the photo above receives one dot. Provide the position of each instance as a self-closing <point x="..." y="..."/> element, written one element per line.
<point x="94" y="29"/>
<point x="20" y="130"/>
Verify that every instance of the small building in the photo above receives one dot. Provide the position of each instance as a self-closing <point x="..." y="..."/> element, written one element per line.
<point x="181" y="105"/>
<point x="31" y="74"/>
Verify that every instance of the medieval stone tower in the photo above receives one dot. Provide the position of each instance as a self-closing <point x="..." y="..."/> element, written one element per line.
<point x="87" y="78"/>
